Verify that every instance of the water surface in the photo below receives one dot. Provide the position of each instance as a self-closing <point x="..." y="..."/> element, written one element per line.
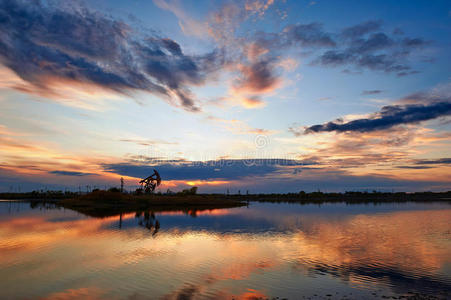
<point x="264" y="250"/>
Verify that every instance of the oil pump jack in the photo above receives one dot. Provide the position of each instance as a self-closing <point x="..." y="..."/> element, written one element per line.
<point x="149" y="183"/>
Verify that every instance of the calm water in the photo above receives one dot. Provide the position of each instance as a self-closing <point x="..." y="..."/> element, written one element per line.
<point x="265" y="250"/>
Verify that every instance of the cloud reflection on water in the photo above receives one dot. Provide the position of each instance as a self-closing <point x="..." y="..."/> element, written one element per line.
<point x="397" y="250"/>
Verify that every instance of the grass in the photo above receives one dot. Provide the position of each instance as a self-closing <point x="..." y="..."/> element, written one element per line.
<point x="347" y="197"/>
<point x="104" y="203"/>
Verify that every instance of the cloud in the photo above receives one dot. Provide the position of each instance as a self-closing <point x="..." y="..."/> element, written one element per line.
<point x="223" y="23"/>
<point x="52" y="47"/>
<point x="392" y="154"/>
<point x="225" y="169"/>
<point x="71" y="173"/>
<point x="414" y="167"/>
<point x="307" y="35"/>
<point x="370" y="149"/>
<point x="256" y="59"/>
<point x="44" y="45"/>
<point x="387" y="117"/>
<point x="258" y="6"/>
<point x="371" y="92"/>
<point x="252" y="102"/>
<point x="361" y="29"/>
<point x="376" y="62"/>
<point x="324" y="98"/>
<point x="440" y="93"/>
<point x="434" y="161"/>
<point x="254" y="79"/>
<point x="144" y="142"/>
<point x="239" y="127"/>
<point x="257" y="78"/>
<point x="364" y="46"/>
<point x="188" y="25"/>
<point x="375" y="41"/>
<point x="254" y="50"/>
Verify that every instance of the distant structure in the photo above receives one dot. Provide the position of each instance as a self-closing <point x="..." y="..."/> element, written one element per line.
<point x="122" y="184"/>
<point x="149" y="183"/>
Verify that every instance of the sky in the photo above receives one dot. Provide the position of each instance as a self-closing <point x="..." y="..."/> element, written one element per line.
<point x="255" y="96"/>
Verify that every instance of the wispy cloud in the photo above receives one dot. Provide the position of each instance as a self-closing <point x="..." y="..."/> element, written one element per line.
<point x="189" y="25"/>
<point x="258" y="7"/>
<point x="145" y="142"/>
<point x="362" y="46"/>
<point x="361" y="29"/>
<point x="71" y="173"/>
<point x="371" y="92"/>
<point x="239" y="127"/>
<point x="306" y="35"/>
<point x="44" y="45"/>
<point x="366" y="46"/>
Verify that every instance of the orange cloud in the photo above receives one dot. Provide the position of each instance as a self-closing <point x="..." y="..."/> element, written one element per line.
<point x="258" y="6"/>
<point x="249" y="102"/>
<point x="256" y="78"/>
<point x="378" y="153"/>
<point x="254" y="50"/>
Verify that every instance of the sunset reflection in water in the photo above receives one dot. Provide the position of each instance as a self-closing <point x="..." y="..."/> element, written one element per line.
<point x="266" y="250"/>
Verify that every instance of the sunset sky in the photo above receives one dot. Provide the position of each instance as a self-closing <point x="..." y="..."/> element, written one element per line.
<point x="258" y="95"/>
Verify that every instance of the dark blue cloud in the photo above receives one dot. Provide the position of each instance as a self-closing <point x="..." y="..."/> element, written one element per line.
<point x="40" y="42"/>
<point x="375" y="41"/>
<point x="70" y="173"/>
<point x="265" y="175"/>
<point x="439" y="161"/>
<point x="365" y="46"/>
<point x="371" y="92"/>
<point x="388" y="117"/>
<point x="414" y="167"/>
<point x="307" y="35"/>
<point x="362" y="46"/>
<point x="334" y="58"/>
<point x="361" y="29"/>
<point x="227" y="169"/>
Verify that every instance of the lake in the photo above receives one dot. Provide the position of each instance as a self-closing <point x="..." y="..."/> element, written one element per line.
<point x="265" y="250"/>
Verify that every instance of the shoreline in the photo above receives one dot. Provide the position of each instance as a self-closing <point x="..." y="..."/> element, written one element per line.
<point x="106" y="203"/>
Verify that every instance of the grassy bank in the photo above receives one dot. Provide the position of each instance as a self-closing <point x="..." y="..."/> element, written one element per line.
<point x="104" y="203"/>
<point x="348" y="197"/>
